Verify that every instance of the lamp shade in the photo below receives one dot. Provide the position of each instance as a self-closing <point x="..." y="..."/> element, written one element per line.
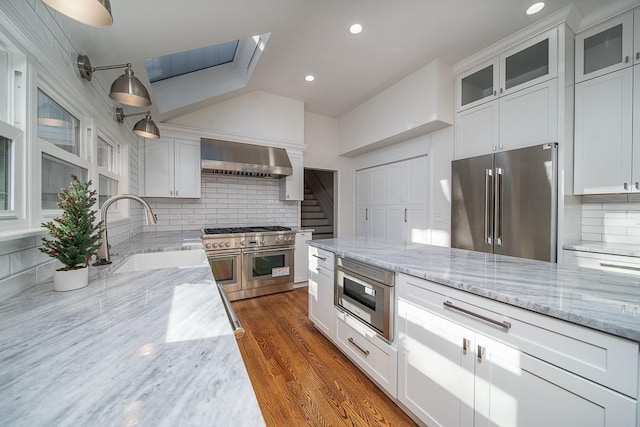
<point x="96" y="13"/>
<point x="49" y="115"/>
<point x="146" y="128"/>
<point x="128" y="90"/>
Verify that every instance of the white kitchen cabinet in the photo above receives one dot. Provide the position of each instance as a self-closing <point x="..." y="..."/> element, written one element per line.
<point x="520" y="106"/>
<point x="397" y="197"/>
<point x="603" y="135"/>
<point x="366" y="349"/>
<point x="456" y="368"/>
<point x="172" y="168"/>
<point x="292" y="186"/>
<point x="636" y="37"/>
<point x="321" y="290"/>
<point x="301" y="255"/>
<point x="627" y="265"/>
<point x="605" y="48"/>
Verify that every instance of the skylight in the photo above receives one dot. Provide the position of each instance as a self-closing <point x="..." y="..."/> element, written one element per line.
<point x="181" y="63"/>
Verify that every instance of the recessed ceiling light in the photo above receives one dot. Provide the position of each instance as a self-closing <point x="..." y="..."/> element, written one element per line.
<point x="310" y="78"/>
<point x="535" y="8"/>
<point x="355" y="29"/>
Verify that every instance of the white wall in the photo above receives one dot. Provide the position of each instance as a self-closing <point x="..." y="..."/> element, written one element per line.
<point x="421" y="102"/>
<point x="257" y="117"/>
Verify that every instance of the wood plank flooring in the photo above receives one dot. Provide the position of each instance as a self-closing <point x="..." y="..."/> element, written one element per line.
<point x="299" y="377"/>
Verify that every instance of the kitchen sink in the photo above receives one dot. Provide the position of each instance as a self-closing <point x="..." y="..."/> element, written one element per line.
<point x="158" y="260"/>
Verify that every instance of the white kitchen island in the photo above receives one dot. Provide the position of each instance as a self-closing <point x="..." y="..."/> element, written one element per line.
<point x="484" y="339"/>
<point x="148" y="348"/>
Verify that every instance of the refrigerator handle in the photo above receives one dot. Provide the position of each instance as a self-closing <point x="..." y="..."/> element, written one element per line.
<point x="498" y="199"/>
<point x="488" y="207"/>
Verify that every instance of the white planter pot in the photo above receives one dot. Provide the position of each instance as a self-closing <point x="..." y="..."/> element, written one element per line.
<point x="68" y="280"/>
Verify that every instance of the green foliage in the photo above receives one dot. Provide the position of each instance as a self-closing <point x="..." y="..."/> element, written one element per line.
<point x="74" y="238"/>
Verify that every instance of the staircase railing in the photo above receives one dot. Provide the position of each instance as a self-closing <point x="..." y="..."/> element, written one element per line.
<point x="324" y="197"/>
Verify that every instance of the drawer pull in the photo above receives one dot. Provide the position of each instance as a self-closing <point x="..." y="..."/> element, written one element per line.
<point x="480" y="353"/>
<point x="365" y="352"/>
<point x="622" y="267"/>
<point x="502" y="324"/>
<point x="319" y="257"/>
<point x="465" y="345"/>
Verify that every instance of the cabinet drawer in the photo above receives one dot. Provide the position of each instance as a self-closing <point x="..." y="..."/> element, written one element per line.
<point x="367" y="351"/>
<point x="321" y="258"/>
<point x="605" y="359"/>
<point x="614" y="263"/>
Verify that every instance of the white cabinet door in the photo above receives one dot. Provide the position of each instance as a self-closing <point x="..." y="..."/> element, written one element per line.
<point x="378" y="186"/>
<point x="395" y="223"/>
<point x="529" y="117"/>
<point x="395" y="183"/>
<point x="515" y="389"/>
<point x="377" y="222"/>
<point x="603" y="134"/>
<point x="636" y="37"/>
<point x="605" y="48"/>
<point x="477" y="85"/>
<point x="362" y="187"/>
<point x="292" y="186"/>
<point x="362" y="221"/>
<point x="416" y="224"/>
<point x="636" y="122"/>
<point x="529" y="63"/>
<point x="435" y="372"/>
<point x="321" y="290"/>
<point x="476" y="131"/>
<point x="187" y="168"/>
<point x="416" y="186"/>
<point x="158" y="168"/>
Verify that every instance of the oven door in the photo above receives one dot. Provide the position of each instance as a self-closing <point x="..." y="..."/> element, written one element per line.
<point x="366" y="299"/>
<point x="226" y="268"/>
<point x="267" y="267"/>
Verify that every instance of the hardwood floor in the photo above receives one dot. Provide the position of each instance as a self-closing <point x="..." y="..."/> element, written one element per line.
<point x="299" y="377"/>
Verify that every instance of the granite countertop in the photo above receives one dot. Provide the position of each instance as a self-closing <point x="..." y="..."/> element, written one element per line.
<point x="149" y="348"/>
<point x="604" y="301"/>
<point x="623" y="249"/>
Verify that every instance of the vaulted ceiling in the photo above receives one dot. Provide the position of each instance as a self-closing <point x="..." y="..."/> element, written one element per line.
<point x="311" y="37"/>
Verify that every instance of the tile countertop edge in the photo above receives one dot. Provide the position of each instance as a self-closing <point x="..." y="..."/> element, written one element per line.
<point x="149" y="347"/>
<point x="567" y="293"/>
<point x="622" y="249"/>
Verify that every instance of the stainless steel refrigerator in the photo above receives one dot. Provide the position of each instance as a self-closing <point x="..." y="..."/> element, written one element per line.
<point x="506" y="203"/>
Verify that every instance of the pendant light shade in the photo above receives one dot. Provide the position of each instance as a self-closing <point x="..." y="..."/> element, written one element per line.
<point x="49" y="115"/>
<point x="126" y="89"/>
<point x="96" y="13"/>
<point x="145" y="128"/>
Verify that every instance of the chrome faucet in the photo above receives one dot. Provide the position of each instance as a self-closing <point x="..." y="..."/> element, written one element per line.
<point x="103" y="253"/>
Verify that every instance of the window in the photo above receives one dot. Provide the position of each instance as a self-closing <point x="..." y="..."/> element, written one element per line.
<point x="11" y="146"/>
<point x="57" y="126"/>
<point x="107" y="161"/>
<point x="56" y="174"/>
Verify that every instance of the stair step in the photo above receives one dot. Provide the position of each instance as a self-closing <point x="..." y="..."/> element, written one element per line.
<point x="323" y="229"/>
<point x="315" y="222"/>
<point x="309" y="203"/>
<point x="314" y="208"/>
<point x="312" y="215"/>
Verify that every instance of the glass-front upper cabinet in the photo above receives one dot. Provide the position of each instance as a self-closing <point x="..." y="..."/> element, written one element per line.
<point x="522" y="66"/>
<point x="477" y="85"/>
<point x="605" y="48"/>
<point x="529" y="63"/>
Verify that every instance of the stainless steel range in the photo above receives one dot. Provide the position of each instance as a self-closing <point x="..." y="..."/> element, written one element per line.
<point x="251" y="261"/>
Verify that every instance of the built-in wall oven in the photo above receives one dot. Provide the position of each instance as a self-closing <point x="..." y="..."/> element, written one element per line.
<point x="367" y="293"/>
<point x="251" y="261"/>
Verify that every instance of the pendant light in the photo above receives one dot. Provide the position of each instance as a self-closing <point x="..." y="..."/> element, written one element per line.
<point x="145" y="128"/>
<point x="96" y="13"/>
<point x="52" y="115"/>
<point x="126" y="89"/>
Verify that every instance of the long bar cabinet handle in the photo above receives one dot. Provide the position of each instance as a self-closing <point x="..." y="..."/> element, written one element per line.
<point x="622" y="267"/>
<point x="502" y="324"/>
<point x="365" y="352"/>
<point x="366" y="214"/>
<point x="319" y="257"/>
<point x="405" y="215"/>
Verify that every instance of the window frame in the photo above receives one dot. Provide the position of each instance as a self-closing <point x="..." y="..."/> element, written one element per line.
<point x="117" y="210"/>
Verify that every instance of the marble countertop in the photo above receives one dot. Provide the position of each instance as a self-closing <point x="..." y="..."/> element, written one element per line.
<point x="604" y="301"/>
<point x="148" y="348"/>
<point x="623" y="249"/>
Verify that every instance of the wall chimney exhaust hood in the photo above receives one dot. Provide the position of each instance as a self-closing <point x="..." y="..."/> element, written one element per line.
<point x="235" y="158"/>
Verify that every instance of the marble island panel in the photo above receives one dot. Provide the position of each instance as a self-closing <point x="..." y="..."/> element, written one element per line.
<point x="600" y="300"/>
<point x="148" y="348"/>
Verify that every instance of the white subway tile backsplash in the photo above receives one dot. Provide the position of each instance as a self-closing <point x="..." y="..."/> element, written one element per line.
<point x="17" y="283"/>
<point x="611" y="218"/>
<point x="27" y="259"/>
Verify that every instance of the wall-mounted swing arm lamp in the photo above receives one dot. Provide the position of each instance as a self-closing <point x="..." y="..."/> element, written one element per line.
<point x="126" y="89"/>
<point x="96" y="13"/>
<point x="145" y="128"/>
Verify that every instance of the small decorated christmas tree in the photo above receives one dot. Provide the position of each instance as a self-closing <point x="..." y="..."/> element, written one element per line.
<point x="74" y="237"/>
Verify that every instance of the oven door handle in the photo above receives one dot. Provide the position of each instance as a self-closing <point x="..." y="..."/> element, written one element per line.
<point x="223" y="254"/>
<point x="280" y="249"/>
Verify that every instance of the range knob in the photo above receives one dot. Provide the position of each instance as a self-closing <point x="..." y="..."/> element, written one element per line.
<point x="207" y="245"/>
<point x="215" y="245"/>
<point x="227" y="244"/>
<point x="243" y="242"/>
<point x="277" y="240"/>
